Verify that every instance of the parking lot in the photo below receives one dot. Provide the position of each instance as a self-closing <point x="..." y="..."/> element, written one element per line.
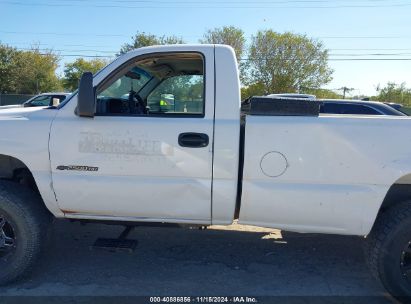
<point x="237" y="260"/>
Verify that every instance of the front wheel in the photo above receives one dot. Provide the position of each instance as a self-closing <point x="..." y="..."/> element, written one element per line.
<point x="388" y="250"/>
<point x="23" y="230"/>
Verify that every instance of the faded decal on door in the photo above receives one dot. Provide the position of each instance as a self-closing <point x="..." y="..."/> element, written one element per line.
<point x="123" y="144"/>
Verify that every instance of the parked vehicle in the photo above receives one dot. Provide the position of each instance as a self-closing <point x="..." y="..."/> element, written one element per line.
<point x="357" y="107"/>
<point x="293" y="95"/>
<point x="348" y="106"/>
<point x="41" y="100"/>
<point x="100" y="157"/>
<point x="396" y="106"/>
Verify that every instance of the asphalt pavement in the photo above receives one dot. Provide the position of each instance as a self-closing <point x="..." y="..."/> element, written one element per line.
<point x="234" y="261"/>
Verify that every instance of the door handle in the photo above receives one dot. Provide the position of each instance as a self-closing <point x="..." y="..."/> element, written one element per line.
<point x="193" y="140"/>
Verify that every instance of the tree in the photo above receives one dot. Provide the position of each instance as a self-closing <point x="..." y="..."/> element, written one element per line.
<point x="323" y="93"/>
<point x="346" y="90"/>
<point x="229" y="35"/>
<point x="254" y="89"/>
<point x="8" y="73"/>
<point x="258" y="89"/>
<point x="37" y="71"/>
<point x="74" y="70"/>
<point x="287" y="62"/>
<point x="142" y="39"/>
<point x="393" y="92"/>
<point x="28" y="72"/>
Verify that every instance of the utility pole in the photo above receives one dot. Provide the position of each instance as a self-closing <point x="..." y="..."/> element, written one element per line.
<point x="346" y="90"/>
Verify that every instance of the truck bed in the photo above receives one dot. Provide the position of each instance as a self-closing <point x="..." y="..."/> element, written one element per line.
<point x="325" y="174"/>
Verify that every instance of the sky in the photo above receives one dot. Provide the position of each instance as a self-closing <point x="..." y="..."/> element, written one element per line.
<point x="350" y="29"/>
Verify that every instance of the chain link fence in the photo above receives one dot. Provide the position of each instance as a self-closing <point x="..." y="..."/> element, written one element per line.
<point x="12" y="99"/>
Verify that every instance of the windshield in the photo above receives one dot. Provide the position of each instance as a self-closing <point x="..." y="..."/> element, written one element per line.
<point x="42" y="100"/>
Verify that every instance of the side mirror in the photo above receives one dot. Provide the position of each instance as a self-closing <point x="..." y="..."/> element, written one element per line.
<point x="86" y="98"/>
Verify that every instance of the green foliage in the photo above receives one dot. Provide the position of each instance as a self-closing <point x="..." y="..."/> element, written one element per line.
<point x="74" y="70"/>
<point x="229" y="35"/>
<point x="28" y="72"/>
<point x="8" y="72"/>
<point x="183" y="87"/>
<point x="288" y="62"/>
<point x="255" y="89"/>
<point x="37" y="72"/>
<point x="397" y="93"/>
<point x="323" y="93"/>
<point x="187" y="91"/>
<point x="232" y="36"/>
<point x="406" y="110"/>
<point x="142" y="39"/>
<point x="258" y="89"/>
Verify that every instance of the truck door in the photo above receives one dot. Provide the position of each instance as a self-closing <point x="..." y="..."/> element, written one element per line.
<point x="147" y="153"/>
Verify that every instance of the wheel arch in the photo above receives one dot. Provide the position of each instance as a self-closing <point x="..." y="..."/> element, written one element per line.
<point x="399" y="192"/>
<point x="16" y="170"/>
<point x="9" y="165"/>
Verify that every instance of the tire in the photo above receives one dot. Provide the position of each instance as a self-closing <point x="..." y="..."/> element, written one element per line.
<point x="388" y="250"/>
<point x="24" y="224"/>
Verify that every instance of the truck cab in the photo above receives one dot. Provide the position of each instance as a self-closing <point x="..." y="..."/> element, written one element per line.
<point x="146" y="161"/>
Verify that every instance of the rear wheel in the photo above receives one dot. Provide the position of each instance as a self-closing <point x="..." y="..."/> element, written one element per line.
<point x="389" y="250"/>
<point x="23" y="230"/>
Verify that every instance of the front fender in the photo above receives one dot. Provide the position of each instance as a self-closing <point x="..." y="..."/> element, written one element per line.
<point x="26" y="138"/>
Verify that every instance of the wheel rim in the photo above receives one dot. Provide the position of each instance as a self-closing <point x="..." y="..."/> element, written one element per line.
<point x="7" y="239"/>
<point x="406" y="262"/>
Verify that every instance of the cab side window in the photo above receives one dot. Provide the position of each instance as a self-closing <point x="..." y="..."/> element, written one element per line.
<point x="178" y="94"/>
<point x="167" y="84"/>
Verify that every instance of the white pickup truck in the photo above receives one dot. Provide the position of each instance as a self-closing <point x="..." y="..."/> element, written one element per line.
<point x="155" y="137"/>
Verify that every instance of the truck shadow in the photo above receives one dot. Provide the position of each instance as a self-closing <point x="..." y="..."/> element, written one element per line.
<point x="171" y="261"/>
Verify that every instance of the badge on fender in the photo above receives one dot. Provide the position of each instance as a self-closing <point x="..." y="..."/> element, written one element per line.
<point x="77" y="168"/>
